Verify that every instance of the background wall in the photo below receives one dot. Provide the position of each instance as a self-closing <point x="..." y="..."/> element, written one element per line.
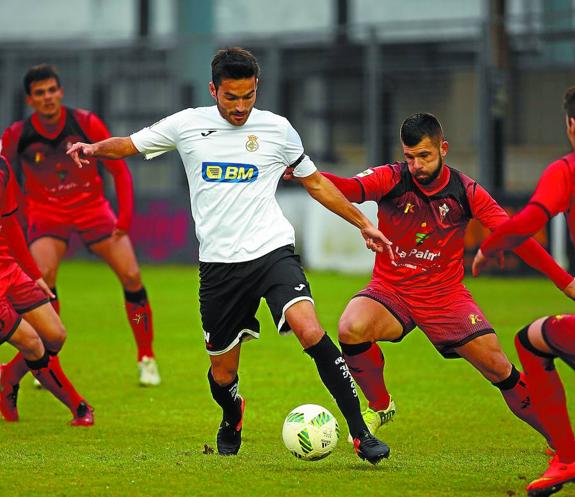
<point x="345" y="72"/>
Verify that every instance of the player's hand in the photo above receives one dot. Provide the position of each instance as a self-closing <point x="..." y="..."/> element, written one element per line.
<point x="376" y="241"/>
<point x="78" y="151"/>
<point x="45" y="288"/>
<point x="479" y="263"/>
<point x="288" y="173"/>
<point x="569" y="290"/>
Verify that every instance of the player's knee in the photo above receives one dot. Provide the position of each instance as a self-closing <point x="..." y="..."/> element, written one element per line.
<point x="54" y="336"/>
<point x="224" y="375"/>
<point x="307" y="329"/>
<point x="497" y="368"/>
<point x="350" y="331"/>
<point x="31" y="346"/>
<point x="131" y="280"/>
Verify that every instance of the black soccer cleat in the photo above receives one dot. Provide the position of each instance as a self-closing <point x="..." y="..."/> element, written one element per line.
<point x="369" y="448"/>
<point x="229" y="437"/>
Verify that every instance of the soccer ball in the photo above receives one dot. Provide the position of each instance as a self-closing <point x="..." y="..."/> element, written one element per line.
<point x="310" y="432"/>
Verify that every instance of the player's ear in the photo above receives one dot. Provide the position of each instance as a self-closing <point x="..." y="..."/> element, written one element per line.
<point x="444" y="148"/>
<point x="213" y="91"/>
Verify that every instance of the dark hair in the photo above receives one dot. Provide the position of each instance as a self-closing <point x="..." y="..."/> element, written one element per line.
<point x="233" y="63"/>
<point x="569" y="102"/>
<point x="417" y="126"/>
<point x="41" y="72"/>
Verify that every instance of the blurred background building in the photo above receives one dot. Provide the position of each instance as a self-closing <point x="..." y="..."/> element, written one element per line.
<point x="345" y="72"/>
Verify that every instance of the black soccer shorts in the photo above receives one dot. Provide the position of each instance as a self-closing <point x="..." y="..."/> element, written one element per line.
<point x="230" y="295"/>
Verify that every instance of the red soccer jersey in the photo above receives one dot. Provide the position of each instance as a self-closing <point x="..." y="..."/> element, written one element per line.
<point x="555" y="193"/>
<point x="13" y="249"/>
<point x="427" y="225"/>
<point x="51" y="180"/>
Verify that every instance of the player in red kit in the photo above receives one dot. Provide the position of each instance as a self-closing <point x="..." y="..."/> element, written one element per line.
<point x="40" y="335"/>
<point x="546" y="339"/>
<point x="62" y="198"/>
<point x="424" y="208"/>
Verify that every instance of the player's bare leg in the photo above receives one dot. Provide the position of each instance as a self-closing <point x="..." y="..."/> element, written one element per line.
<point x="118" y="253"/>
<point x="487" y="356"/>
<point x="30" y="348"/>
<point x="336" y="377"/>
<point x="224" y="380"/>
<point x="48" y="253"/>
<point x="364" y="322"/>
<point x="53" y="334"/>
<point x="44" y="365"/>
<point x="49" y="327"/>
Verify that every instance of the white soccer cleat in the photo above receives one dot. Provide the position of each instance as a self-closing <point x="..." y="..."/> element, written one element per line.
<point x="375" y="419"/>
<point x="149" y="375"/>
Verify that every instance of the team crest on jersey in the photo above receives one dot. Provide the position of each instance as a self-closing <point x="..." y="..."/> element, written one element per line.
<point x="229" y="172"/>
<point x="38" y="157"/>
<point x="367" y="172"/>
<point x="443" y="210"/>
<point x="252" y="144"/>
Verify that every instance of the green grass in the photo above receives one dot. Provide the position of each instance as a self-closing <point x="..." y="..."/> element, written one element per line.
<point x="453" y="435"/>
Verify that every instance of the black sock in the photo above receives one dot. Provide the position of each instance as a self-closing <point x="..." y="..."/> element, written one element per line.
<point x="227" y="398"/>
<point x="338" y="380"/>
<point x="138" y="297"/>
<point x="40" y="363"/>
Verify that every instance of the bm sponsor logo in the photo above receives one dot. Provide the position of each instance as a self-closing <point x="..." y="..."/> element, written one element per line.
<point x="229" y="172"/>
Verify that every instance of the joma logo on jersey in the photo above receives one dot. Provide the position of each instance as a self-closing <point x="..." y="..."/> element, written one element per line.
<point x="229" y="172"/>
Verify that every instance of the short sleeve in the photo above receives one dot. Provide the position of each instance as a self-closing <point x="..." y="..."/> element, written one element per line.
<point x="553" y="189"/>
<point x="160" y="137"/>
<point x="295" y="155"/>
<point x="376" y="182"/>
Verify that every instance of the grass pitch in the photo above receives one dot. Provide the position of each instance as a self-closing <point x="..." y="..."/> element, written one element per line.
<point x="453" y="435"/>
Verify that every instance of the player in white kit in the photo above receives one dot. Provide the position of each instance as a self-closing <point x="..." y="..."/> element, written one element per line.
<point x="234" y="156"/>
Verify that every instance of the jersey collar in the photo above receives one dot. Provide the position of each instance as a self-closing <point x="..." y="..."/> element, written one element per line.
<point x="439" y="184"/>
<point x="54" y="130"/>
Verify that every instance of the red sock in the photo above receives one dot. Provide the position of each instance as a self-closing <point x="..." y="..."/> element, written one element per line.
<point x="16" y="369"/>
<point x="547" y="389"/>
<point x="54" y="380"/>
<point x="140" y="318"/>
<point x="366" y="362"/>
<point x="517" y="395"/>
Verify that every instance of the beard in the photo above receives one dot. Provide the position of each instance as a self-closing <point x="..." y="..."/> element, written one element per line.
<point x="434" y="174"/>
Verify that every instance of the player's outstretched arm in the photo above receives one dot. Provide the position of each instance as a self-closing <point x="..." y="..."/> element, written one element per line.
<point x="330" y="197"/>
<point x="491" y="215"/>
<point x="116" y="147"/>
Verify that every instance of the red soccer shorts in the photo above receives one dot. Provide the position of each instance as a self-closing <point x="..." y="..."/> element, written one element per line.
<point x="93" y="222"/>
<point x="18" y="294"/>
<point x="448" y="319"/>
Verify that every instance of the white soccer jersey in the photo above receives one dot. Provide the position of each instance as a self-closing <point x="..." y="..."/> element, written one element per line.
<point x="233" y="173"/>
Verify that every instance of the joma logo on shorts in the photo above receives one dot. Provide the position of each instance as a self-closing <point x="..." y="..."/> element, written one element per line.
<point x="229" y="172"/>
